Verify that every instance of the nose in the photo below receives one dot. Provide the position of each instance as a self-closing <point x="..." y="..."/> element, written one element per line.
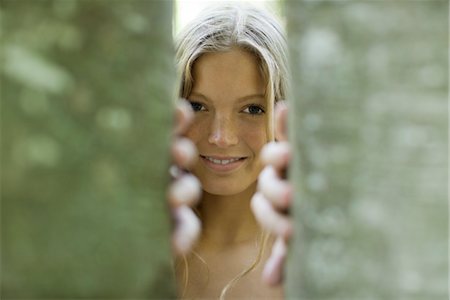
<point x="223" y="132"/>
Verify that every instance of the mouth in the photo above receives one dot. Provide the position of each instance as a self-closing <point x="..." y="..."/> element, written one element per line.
<point x="223" y="164"/>
<point x="222" y="161"/>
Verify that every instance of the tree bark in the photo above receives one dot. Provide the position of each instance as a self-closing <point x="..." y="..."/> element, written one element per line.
<point x="87" y="97"/>
<point x="369" y="124"/>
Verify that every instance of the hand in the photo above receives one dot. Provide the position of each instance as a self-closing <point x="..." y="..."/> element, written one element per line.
<point x="271" y="202"/>
<point x="185" y="189"/>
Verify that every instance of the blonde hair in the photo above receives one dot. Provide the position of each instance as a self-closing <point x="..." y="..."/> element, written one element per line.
<point x="220" y="28"/>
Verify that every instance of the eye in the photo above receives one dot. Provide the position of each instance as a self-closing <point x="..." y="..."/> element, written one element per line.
<point x="196" y="106"/>
<point x="254" y="110"/>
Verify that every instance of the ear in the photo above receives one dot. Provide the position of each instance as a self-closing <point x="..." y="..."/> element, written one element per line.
<point x="281" y="114"/>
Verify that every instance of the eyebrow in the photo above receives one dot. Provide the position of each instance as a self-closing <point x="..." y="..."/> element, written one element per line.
<point x="241" y="99"/>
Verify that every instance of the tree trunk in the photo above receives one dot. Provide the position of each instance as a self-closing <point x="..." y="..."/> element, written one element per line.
<point x="369" y="108"/>
<point x="87" y="94"/>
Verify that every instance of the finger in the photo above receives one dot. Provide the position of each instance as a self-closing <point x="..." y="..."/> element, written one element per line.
<point x="281" y="115"/>
<point x="184" y="152"/>
<point x="270" y="219"/>
<point x="273" y="269"/>
<point x="277" y="191"/>
<point x="187" y="229"/>
<point x="185" y="190"/>
<point x="183" y="116"/>
<point x="277" y="154"/>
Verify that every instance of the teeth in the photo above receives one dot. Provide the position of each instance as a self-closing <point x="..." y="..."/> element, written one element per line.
<point x="221" y="162"/>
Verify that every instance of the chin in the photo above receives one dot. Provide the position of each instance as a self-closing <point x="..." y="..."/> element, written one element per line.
<point x="226" y="188"/>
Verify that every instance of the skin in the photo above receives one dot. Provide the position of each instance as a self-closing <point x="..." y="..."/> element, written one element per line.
<point x="228" y="123"/>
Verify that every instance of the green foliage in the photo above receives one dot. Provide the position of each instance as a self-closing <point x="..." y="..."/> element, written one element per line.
<point x="87" y="90"/>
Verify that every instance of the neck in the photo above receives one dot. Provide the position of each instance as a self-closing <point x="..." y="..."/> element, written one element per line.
<point x="228" y="219"/>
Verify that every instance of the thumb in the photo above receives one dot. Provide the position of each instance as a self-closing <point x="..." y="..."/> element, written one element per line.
<point x="281" y="115"/>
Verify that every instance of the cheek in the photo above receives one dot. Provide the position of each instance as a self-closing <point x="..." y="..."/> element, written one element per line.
<point x="255" y="136"/>
<point x="255" y="140"/>
<point x="196" y="131"/>
<point x="253" y="133"/>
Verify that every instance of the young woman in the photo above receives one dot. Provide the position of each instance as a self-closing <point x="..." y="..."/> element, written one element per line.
<point x="232" y="63"/>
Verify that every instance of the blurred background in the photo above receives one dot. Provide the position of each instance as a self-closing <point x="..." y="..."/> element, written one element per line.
<point x="86" y="115"/>
<point x="186" y="10"/>
<point x="85" y="127"/>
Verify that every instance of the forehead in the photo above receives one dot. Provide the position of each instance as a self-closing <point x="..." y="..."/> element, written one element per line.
<point x="235" y="71"/>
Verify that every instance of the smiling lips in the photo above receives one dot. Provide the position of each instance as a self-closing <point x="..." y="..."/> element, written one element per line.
<point x="223" y="164"/>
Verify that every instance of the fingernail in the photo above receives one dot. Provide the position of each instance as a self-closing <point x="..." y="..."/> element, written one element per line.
<point x="186" y="190"/>
<point x="266" y="152"/>
<point x="187" y="151"/>
<point x="175" y="172"/>
<point x="281" y="104"/>
<point x="187" y="233"/>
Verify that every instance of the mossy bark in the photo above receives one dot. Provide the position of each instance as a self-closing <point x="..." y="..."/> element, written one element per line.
<point x="369" y="124"/>
<point x="86" y="113"/>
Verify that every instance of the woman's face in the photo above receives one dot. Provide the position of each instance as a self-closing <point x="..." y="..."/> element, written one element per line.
<point x="229" y="127"/>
